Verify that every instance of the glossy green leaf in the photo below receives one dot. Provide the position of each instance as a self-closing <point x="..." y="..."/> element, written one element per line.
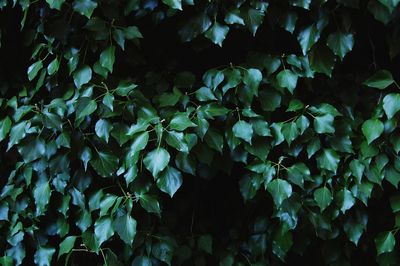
<point x="82" y="76"/>
<point x="328" y="159"/>
<point x="391" y="104"/>
<point x="107" y="58"/>
<point x="170" y="180"/>
<point x="156" y="161"/>
<point x="380" y="80"/>
<point x="103" y="129"/>
<point x="323" y="197"/>
<point x="175" y="4"/>
<point x="217" y="33"/>
<point x="125" y="226"/>
<point x="372" y="129"/>
<point x="103" y="229"/>
<point x="43" y="256"/>
<point x="105" y="164"/>
<point x="385" y="242"/>
<point x="243" y="130"/>
<point x="279" y="190"/>
<point x="340" y="43"/>
<point x="84" y="7"/>
<point x="287" y="79"/>
<point x="66" y="245"/>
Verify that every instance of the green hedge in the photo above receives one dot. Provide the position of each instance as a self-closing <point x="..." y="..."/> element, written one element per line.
<point x="181" y="132"/>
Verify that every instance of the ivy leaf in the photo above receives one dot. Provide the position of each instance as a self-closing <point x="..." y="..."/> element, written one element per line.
<point x="132" y="32"/>
<point x="175" y="4"/>
<point x="108" y="101"/>
<point x="170" y="180"/>
<point x="53" y="66"/>
<point x="103" y="128"/>
<point x="324" y="124"/>
<point x="290" y="132"/>
<point x="345" y="200"/>
<point x="252" y="78"/>
<point x="156" y="161"/>
<point x="323" y="197"/>
<point x="280" y="190"/>
<point x="163" y="251"/>
<point x="41" y="194"/>
<point x="329" y="160"/>
<point x="84" y="7"/>
<point x="66" y="245"/>
<point x="141" y="261"/>
<point x="217" y="33"/>
<point x="5" y="126"/>
<point x="391" y="104"/>
<point x="124" y="88"/>
<point x="18" y="132"/>
<point x="139" y="143"/>
<point x="107" y="58"/>
<point x="287" y="79"/>
<point x="243" y="130"/>
<point x="82" y="76"/>
<point x="380" y="80"/>
<point x="105" y="164"/>
<point x="125" y="226"/>
<point x="372" y="129"/>
<point x="86" y="106"/>
<point x="43" y="256"/>
<point x="150" y="204"/>
<point x="308" y="37"/>
<point x="34" y="69"/>
<point x="103" y="229"/>
<point x="55" y="4"/>
<point x="385" y="242"/>
<point x="253" y="18"/>
<point x="181" y="122"/>
<point x="322" y="60"/>
<point x="85" y="156"/>
<point x="340" y="43"/>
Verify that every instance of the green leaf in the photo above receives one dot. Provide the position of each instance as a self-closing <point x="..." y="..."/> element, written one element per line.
<point x="217" y="33"/>
<point x="252" y="78"/>
<point x="253" y="18"/>
<point x="372" y="129"/>
<point x="308" y="37"/>
<point x="139" y="143"/>
<point x="175" y="4"/>
<point x="66" y="245"/>
<point x="170" y="180"/>
<point x="86" y="106"/>
<point x="125" y="226"/>
<point x="279" y="190"/>
<point x="156" y="161"/>
<point x="163" y="251"/>
<point x="18" y="132"/>
<point x="103" y="129"/>
<point x="107" y="58"/>
<point x="124" y="88"/>
<point x="323" y="197"/>
<point x="55" y="4"/>
<point x="108" y="101"/>
<point x="85" y="156"/>
<point x="32" y="150"/>
<point x="141" y="261"/>
<point x="243" y="130"/>
<point x="380" y="80"/>
<point x="34" y="69"/>
<point x="132" y="32"/>
<point x="4" y="209"/>
<point x="103" y="229"/>
<point x="287" y="79"/>
<point x="324" y="124"/>
<point x="180" y="122"/>
<point x="204" y="94"/>
<point x="43" y="256"/>
<point x="233" y="17"/>
<point x="322" y="60"/>
<point x="177" y="140"/>
<point x="150" y="204"/>
<point x="5" y="126"/>
<point x="82" y="76"/>
<point x="290" y="132"/>
<point x="385" y="242"/>
<point x="41" y="194"/>
<point x="340" y="43"/>
<point x="328" y="159"/>
<point x="84" y="7"/>
<point x="345" y="200"/>
<point x="391" y="104"/>
<point x="105" y="164"/>
<point x="54" y="65"/>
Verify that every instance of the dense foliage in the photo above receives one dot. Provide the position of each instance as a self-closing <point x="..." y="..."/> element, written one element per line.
<point x="181" y="132"/>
